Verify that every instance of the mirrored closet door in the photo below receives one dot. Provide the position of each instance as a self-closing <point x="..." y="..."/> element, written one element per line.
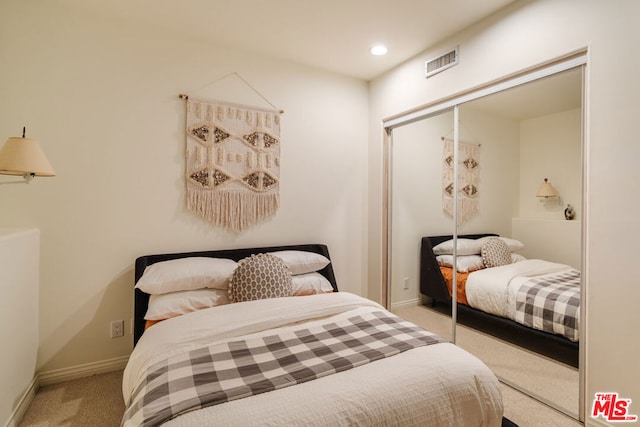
<point x="417" y="211"/>
<point x="519" y="135"/>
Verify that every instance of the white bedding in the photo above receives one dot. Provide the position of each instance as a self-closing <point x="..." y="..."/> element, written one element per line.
<point x="493" y="290"/>
<point x="438" y="384"/>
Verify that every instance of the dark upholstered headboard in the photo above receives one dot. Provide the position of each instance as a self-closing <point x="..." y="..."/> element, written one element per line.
<point x="432" y="283"/>
<point x="142" y="298"/>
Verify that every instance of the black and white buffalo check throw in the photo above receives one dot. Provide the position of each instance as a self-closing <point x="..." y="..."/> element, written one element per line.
<point x="227" y="371"/>
<point x="551" y="304"/>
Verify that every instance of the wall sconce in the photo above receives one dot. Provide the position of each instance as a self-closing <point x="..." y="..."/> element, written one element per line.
<point x="546" y="191"/>
<point x="23" y="156"/>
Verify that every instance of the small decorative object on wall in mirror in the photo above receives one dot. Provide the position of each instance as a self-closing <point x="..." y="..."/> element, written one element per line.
<point x="569" y="213"/>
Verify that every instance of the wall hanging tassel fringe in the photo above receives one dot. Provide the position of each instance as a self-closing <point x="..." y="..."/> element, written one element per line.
<point x="232" y="163"/>
<point x="468" y="180"/>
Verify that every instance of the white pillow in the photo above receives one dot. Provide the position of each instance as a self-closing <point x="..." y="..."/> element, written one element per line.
<point x="186" y="274"/>
<point x="513" y="244"/>
<point x="464" y="264"/>
<point x="517" y="258"/>
<point x="166" y="306"/>
<point x="310" y="284"/>
<point x="465" y="247"/>
<point x="302" y="262"/>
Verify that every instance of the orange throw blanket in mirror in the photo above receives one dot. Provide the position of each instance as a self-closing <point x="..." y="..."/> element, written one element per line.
<point x="461" y="279"/>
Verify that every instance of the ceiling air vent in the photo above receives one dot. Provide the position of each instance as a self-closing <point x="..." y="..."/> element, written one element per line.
<point x="441" y="63"/>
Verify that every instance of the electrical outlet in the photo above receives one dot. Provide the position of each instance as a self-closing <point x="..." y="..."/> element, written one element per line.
<point x="405" y="282"/>
<point x="117" y="328"/>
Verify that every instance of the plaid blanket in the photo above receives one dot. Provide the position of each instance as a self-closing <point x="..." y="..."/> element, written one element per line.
<point x="551" y="303"/>
<point x="227" y="371"/>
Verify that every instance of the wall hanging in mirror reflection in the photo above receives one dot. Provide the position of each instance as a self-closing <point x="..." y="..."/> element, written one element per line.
<point x="468" y="179"/>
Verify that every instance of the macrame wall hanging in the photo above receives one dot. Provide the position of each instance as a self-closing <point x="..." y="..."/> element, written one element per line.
<point x="468" y="179"/>
<point x="232" y="162"/>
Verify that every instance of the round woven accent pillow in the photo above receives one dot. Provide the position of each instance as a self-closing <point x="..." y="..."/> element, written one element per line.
<point x="260" y="276"/>
<point x="495" y="253"/>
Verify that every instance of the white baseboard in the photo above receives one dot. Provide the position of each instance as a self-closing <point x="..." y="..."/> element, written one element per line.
<point x="80" y="371"/>
<point x="23" y="404"/>
<point x="405" y="304"/>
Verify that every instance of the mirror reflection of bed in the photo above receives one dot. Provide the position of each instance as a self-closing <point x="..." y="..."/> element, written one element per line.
<point x="528" y="302"/>
<point x="526" y="134"/>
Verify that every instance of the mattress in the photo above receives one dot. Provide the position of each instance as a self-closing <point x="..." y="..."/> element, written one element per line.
<point x="439" y="384"/>
<point x="539" y="294"/>
<point x="493" y="290"/>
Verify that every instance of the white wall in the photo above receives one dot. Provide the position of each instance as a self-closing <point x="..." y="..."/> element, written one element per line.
<point x="19" y="271"/>
<point x="101" y="96"/>
<point x="554" y="240"/>
<point x="521" y="36"/>
<point x="550" y="147"/>
<point x="417" y="169"/>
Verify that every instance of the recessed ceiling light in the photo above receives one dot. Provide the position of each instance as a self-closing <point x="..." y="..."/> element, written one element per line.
<point x="379" y="50"/>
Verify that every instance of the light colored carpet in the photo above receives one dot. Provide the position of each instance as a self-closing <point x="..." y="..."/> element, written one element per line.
<point x="527" y="412"/>
<point x="93" y="401"/>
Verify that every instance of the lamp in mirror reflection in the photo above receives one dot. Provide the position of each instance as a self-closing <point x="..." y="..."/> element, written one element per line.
<point x="22" y="156"/>
<point x="546" y="191"/>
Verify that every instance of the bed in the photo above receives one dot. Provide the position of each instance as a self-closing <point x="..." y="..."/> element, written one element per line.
<point x="322" y="358"/>
<point x="501" y="300"/>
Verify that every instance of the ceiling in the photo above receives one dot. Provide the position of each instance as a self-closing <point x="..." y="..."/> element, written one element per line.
<point x="550" y="95"/>
<point x="329" y="34"/>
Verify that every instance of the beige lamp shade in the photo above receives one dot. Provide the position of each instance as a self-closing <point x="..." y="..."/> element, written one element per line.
<point x="23" y="156"/>
<point x="546" y="190"/>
